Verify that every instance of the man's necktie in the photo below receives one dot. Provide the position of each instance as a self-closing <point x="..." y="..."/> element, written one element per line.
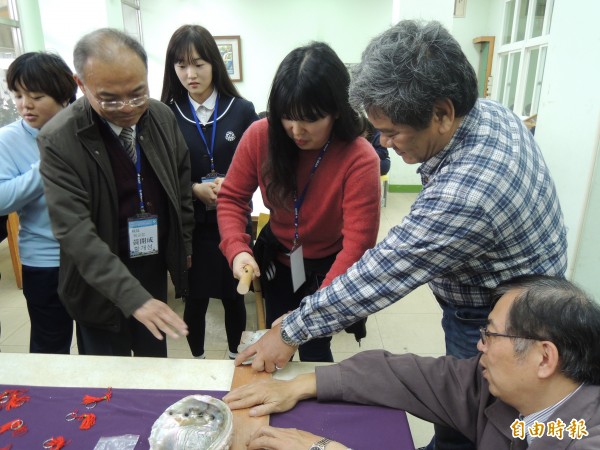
<point x="126" y="137"/>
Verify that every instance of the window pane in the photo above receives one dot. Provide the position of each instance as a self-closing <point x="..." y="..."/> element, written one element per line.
<point x="531" y="81"/>
<point x="509" y="14"/>
<point x="538" y="19"/>
<point x="8" y="111"/>
<point x="522" y="20"/>
<point x="537" y="89"/>
<point x="4" y="13"/>
<point x="502" y="77"/>
<point x="8" y="10"/>
<point x="131" y="24"/>
<point x="8" y="46"/>
<point x="512" y="74"/>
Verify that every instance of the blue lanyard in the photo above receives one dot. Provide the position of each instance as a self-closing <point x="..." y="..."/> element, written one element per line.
<point x="138" y="171"/>
<point x="298" y="201"/>
<point x="211" y="149"/>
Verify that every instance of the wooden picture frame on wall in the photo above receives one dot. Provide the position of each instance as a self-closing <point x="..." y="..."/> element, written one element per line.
<point x="231" y="51"/>
<point x="460" y="8"/>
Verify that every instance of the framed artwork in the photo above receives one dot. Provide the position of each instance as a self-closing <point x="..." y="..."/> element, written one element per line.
<point x="231" y="51"/>
<point x="460" y="8"/>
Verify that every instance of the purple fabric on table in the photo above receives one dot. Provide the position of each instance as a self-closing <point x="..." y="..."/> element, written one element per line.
<point x="133" y="411"/>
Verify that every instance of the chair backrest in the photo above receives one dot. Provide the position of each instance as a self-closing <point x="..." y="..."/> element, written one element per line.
<point x="263" y="218"/>
<point x="12" y="228"/>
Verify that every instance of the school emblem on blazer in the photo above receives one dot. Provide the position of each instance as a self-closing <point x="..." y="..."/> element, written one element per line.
<point x="230" y="136"/>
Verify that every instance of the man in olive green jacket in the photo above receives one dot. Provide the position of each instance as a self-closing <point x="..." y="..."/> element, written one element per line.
<point x="96" y="190"/>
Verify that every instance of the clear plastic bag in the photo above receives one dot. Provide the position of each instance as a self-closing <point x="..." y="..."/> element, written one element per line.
<point x="125" y="442"/>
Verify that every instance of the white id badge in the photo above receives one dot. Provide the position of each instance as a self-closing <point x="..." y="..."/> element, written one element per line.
<point x="143" y="235"/>
<point x="210" y="178"/>
<point x="297" y="267"/>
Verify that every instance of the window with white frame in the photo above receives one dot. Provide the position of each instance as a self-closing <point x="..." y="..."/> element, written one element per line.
<point x="522" y="54"/>
<point x="10" y="47"/>
<point x="132" y="19"/>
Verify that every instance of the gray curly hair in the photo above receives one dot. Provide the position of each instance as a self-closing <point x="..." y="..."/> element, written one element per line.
<point x="407" y="68"/>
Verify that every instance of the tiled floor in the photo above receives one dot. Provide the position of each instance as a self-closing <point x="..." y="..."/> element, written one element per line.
<point x="410" y="325"/>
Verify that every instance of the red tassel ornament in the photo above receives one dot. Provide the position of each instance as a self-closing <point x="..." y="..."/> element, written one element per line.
<point x="87" y="420"/>
<point x="91" y="402"/>
<point x="17" y="427"/>
<point x="13" y="398"/>
<point x="55" y="443"/>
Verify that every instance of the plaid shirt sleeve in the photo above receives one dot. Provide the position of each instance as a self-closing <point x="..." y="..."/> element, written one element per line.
<point x="431" y="241"/>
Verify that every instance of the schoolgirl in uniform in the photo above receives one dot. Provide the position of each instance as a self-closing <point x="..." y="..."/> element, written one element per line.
<point x="212" y="117"/>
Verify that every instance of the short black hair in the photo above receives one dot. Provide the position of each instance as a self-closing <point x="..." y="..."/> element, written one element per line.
<point x="42" y="72"/>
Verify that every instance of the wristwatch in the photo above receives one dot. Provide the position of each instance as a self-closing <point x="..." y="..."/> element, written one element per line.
<point x="320" y="445"/>
<point x="288" y="340"/>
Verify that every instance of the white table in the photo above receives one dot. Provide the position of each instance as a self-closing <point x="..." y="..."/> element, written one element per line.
<point x="125" y="372"/>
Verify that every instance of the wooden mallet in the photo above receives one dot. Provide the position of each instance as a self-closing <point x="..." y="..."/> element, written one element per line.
<point x="244" y="286"/>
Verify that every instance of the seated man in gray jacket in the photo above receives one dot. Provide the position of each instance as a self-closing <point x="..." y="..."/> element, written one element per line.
<point x="535" y="383"/>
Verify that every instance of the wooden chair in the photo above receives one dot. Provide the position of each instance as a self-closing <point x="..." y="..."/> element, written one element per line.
<point x="12" y="228"/>
<point x="258" y="222"/>
<point x="263" y="218"/>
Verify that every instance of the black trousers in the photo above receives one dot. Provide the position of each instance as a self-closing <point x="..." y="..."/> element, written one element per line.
<point x="51" y="325"/>
<point x="280" y="299"/>
<point x="3" y="232"/>
<point x="133" y="337"/>
<point x="194" y="316"/>
<point x="210" y="277"/>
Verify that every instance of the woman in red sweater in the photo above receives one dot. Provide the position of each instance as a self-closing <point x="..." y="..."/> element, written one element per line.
<point x="317" y="176"/>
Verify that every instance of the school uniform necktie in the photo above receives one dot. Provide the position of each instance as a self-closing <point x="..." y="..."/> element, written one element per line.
<point x="126" y="138"/>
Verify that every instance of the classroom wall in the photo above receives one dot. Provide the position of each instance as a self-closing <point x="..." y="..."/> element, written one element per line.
<point x="568" y="130"/>
<point x="404" y="176"/>
<point x="269" y="29"/>
<point x="475" y="23"/>
<point x="587" y="251"/>
<point x="65" y="21"/>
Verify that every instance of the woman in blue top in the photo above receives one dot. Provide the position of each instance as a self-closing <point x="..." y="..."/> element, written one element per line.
<point x="42" y="85"/>
<point x="212" y="117"/>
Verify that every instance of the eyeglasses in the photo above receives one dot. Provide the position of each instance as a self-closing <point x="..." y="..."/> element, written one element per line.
<point x="484" y="333"/>
<point x="117" y="105"/>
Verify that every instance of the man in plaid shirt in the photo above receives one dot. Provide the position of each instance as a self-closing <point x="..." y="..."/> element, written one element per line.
<point x="488" y="211"/>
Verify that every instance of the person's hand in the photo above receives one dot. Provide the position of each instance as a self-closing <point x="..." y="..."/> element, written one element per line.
<point x="273" y="396"/>
<point x="218" y="183"/>
<point x="240" y="261"/>
<point x="270" y="352"/>
<point x="271" y="438"/>
<point x="157" y="316"/>
<point x="205" y="192"/>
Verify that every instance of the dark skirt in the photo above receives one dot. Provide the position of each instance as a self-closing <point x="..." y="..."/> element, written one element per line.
<point x="210" y="275"/>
